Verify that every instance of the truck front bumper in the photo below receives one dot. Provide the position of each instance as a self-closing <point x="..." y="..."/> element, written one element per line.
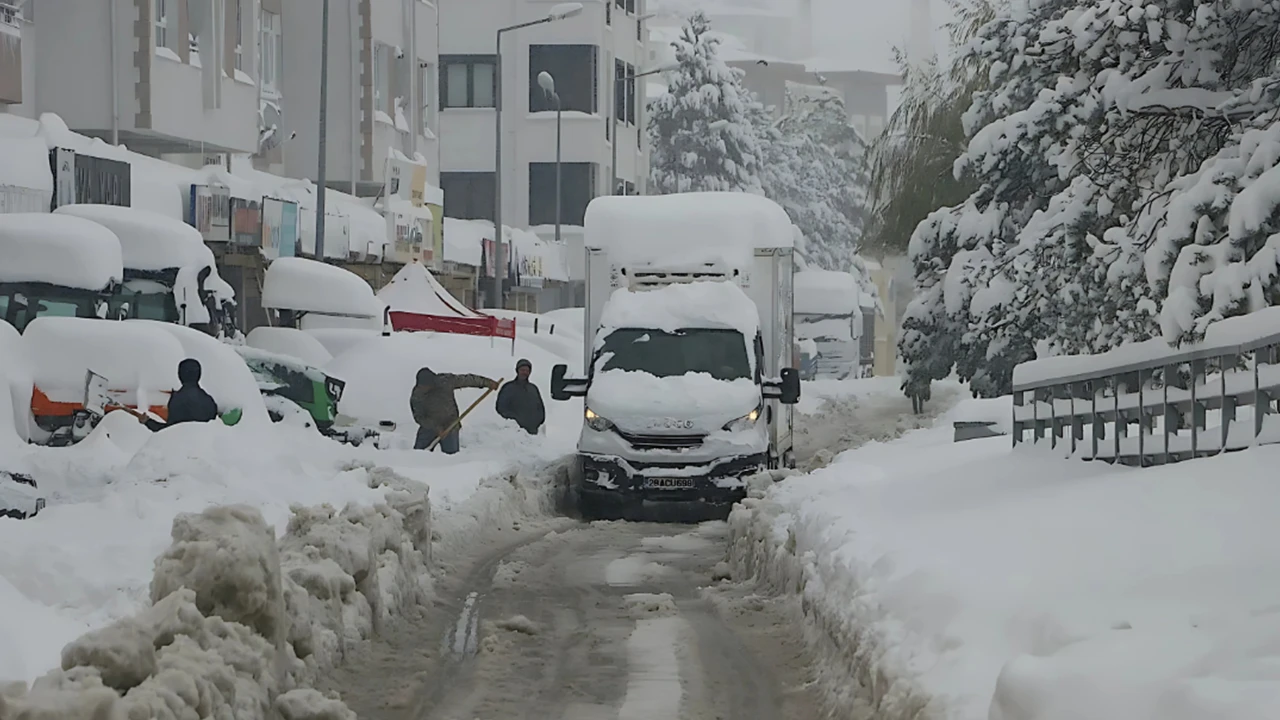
<point x="612" y="479"/>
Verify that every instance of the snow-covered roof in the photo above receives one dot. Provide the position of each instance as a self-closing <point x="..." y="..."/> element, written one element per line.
<point x="826" y="292"/>
<point x="415" y="290"/>
<point x="148" y="240"/>
<point x="289" y="341"/>
<point x="129" y="355"/>
<point x="688" y="229"/>
<point x="686" y="305"/>
<point x="294" y="283"/>
<point x="58" y="249"/>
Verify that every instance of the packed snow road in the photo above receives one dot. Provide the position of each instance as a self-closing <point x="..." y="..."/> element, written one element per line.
<point x="581" y="621"/>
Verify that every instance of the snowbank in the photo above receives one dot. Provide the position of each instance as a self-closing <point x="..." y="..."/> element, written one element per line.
<point x="148" y="241"/>
<point x="965" y="580"/>
<point x="719" y="305"/>
<point x="697" y="228"/>
<point x="240" y="624"/>
<point x="134" y="357"/>
<point x="289" y="341"/>
<point x="294" y="283"/>
<point x="826" y="292"/>
<point x="67" y="251"/>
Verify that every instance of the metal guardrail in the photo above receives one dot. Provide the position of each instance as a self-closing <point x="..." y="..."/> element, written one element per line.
<point x="1089" y="404"/>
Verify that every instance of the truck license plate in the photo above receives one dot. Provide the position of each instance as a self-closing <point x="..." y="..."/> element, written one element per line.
<point x="676" y="483"/>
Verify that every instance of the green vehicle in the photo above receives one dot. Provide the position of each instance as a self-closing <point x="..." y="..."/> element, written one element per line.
<point x="303" y="394"/>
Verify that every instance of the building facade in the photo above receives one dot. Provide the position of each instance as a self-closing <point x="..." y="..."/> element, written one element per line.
<point x="591" y="57"/>
<point x="383" y="65"/>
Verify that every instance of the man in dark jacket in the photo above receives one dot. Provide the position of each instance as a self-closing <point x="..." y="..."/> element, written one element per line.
<point x="435" y="409"/>
<point x="520" y="400"/>
<point x="189" y="403"/>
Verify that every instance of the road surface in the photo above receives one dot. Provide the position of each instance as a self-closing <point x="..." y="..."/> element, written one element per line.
<point x="602" y="621"/>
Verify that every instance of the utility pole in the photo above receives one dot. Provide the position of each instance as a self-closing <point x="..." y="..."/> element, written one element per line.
<point x="324" y="111"/>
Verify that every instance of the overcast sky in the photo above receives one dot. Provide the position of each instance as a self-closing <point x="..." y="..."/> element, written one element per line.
<point x="862" y="33"/>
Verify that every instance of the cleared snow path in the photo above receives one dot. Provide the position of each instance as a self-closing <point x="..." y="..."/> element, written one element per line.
<point x="607" y="621"/>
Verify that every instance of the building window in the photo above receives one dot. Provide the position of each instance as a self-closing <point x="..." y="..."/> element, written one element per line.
<point x="426" y="92"/>
<point x="383" y="77"/>
<point x="161" y="21"/>
<point x="624" y="92"/>
<point x="270" y="51"/>
<point x="468" y="195"/>
<point x="577" y="189"/>
<point x="608" y="13"/>
<point x="631" y="7"/>
<point x="467" y="81"/>
<point x="574" y="68"/>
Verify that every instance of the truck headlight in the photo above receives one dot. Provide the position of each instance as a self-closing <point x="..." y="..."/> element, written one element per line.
<point x="597" y="423"/>
<point x="746" y="422"/>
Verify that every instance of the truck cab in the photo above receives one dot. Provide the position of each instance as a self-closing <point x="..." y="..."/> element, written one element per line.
<point x="56" y="267"/>
<point x="685" y="391"/>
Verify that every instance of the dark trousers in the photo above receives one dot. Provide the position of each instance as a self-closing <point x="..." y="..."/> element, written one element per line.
<point x="448" y="444"/>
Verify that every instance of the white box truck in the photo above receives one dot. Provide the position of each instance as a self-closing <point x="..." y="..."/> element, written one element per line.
<point x="689" y="354"/>
<point x="829" y="312"/>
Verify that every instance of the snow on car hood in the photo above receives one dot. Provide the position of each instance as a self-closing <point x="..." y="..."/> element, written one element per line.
<point x="695" y="402"/>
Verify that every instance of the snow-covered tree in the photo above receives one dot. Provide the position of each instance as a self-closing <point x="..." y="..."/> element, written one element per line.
<point x="1091" y="206"/>
<point x="701" y="134"/>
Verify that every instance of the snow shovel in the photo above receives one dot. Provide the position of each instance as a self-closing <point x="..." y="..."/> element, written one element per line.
<point x="458" y="422"/>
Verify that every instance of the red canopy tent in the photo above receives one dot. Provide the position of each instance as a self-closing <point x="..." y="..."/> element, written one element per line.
<point x="418" y="302"/>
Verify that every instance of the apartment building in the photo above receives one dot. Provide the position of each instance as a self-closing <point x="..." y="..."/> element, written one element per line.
<point x="592" y="57"/>
<point x="382" y="83"/>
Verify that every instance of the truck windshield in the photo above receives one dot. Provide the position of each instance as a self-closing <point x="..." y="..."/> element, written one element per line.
<point x="719" y="353"/>
<point x="21" y="306"/>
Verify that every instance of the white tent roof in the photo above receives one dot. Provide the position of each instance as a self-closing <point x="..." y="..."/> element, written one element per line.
<point x="415" y="290"/>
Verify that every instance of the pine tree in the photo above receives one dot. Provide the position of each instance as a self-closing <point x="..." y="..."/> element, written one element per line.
<point x="701" y="134"/>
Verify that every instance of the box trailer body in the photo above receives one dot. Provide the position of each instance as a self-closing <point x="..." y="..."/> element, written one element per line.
<point x="828" y="311"/>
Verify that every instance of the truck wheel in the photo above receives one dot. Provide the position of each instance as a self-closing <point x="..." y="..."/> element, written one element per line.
<point x="789" y="460"/>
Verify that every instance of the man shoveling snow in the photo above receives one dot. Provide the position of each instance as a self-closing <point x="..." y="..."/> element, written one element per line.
<point x="436" y="410"/>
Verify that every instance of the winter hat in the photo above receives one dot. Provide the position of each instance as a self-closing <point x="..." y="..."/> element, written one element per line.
<point x="522" y="362"/>
<point x="189" y="371"/>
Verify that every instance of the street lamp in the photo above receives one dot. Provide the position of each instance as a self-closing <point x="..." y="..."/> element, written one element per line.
<point x="548" y="85"/>
<point x="561" y="11"/>
<point x="324" y="112"/>
<point x="630" y="79"/>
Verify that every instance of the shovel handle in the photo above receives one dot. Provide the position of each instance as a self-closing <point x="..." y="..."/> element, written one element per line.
<point x="464" y="413"/>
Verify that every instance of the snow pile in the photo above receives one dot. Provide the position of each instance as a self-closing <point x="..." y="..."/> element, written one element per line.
<point x="149" y="241"/>
<point x="710" y="305"/>
<point x="463" y="240"/>
<point x="292" y="342"/>
<point x="135" y="358"/>
<point x="826" y="292"/>
<point x="415" y="290"/>
<point x="239" y="624"/>
<point x="699" y="228"/>
<point x="299" y="284"/>
<point x="66" y="251"/>
<point x="966" y="580"/>
<point x="15" y="390"/>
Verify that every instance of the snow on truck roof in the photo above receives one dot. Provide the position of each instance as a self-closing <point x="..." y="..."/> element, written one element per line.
<point x="148" y="240"/>
<point x="826" y="292"/>
<point x="719" y="305"/>
<point x="294" y="283"/>
<point x="129" y="355"/>
<point x="60" y="250"/>
<point x="698" y="228"/>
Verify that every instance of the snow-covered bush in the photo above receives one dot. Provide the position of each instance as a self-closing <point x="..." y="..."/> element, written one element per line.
<point x="240" y="623"/>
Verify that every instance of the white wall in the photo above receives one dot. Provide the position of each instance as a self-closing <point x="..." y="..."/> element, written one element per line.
<point x="469" y="27"/>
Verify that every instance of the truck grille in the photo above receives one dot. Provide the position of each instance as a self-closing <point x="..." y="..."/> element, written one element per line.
<point x="662" y="442"/>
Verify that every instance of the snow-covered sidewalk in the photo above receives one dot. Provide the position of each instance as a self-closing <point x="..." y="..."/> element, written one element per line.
<point x="968" y="580"/>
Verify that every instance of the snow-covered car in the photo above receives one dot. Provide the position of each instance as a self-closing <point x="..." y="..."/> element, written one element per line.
<point x="19" y="497"/>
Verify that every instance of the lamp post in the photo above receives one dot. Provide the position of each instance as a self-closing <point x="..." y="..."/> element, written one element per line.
<point x="548" y="85"/>
<point x="561" y="11"/>
<point x="324" y="112"/>
<point x="630" y="79"/>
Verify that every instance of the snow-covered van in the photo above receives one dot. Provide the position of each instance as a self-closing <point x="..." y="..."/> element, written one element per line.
<point x="829" y="312"/>
<point x="169" y="273"/>
<point x="688" y="347"/>
<point x="311" y="295"/>
<point x="53" y="265"/>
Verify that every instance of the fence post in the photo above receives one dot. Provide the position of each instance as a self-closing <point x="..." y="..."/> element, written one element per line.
<point x="1017" y="428"/>
<point x="1260" y="404"/>
<point x="1228" y="404"/>
<point x="1164" y="413"/>
<point x="1118" y="422"/>
<point x="1093" y="418"/>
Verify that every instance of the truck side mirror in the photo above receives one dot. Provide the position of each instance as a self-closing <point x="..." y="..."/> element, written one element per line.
<point x="790" y="386"/>
<point x="563" y="388"/>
